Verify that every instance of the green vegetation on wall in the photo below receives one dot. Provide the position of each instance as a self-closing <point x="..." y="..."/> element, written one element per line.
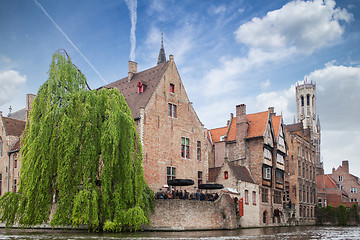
<point x="81" y="148"/>
<point x="337" y="216"/>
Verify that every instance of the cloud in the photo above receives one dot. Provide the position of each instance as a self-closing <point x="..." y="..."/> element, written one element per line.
<point x="10" y="81"/>
<point x="305" y="26"/>
<point x="338" y="96"/>
<point x="132" y="6"/>
<point x="265" y="85"/>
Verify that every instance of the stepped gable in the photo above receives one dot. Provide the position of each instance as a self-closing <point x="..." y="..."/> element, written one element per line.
<point x="149" y="78"/>
<point x="13" y="127"/>
<point x="241" y="173"/>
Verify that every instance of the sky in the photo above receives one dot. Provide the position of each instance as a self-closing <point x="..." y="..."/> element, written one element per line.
<point x="227" y="53"/>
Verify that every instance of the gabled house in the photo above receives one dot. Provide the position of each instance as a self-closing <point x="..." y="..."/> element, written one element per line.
<point x="347" y="183"/>
<point x="258" y="142"/>
<point x="174" y="140"/>
<point x="300" y="182"/>
<point x="10" y="132"/>
<point x="238" y="181"/>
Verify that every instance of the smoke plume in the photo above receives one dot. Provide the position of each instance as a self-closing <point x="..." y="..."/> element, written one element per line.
<point x="132" y="5"/>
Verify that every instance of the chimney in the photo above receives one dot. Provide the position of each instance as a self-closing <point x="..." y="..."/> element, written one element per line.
<point x="333" y="170"/>
<point x="345" y="165"/>
<point x="29" y="100"/>
<point x="171" y="58"/>
<point x="271" y="110"/>
<point x="241" y="129"/>
<point x="132" y="70"/>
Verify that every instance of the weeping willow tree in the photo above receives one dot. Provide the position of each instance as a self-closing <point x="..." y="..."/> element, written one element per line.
<point x="81" y="148"/>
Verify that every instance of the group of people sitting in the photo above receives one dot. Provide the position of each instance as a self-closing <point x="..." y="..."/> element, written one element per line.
<point x="172" y="194"/>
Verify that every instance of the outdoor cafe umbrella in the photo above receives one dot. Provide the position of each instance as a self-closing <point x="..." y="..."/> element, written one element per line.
<point x="180" y="182"/>
<point x="211" y="186"/>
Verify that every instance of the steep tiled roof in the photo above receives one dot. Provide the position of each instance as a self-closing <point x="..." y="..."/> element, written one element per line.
<point x="213" y="172"/>
<point x="150" y="78"/>
<point x="13" y="127"/>
<point x="20" y="115"/>
<point x="257" y="123"/>
<point x="241" y="173"/>
<point x="217" y="133"/>
<point x="232" y="130"/>
<point x="325" y="181"/>
<point x="355" y="178"/>
<point x="276" y="124"/>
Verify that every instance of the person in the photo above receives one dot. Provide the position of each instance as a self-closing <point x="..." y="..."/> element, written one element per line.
<point x="159" y="194"/>
<point x="181" y="196"/>
<point x="198" y="195"/>
<point x="216" y="196"/>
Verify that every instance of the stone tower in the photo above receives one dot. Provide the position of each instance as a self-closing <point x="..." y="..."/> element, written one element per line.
<point x="306" y="114"/>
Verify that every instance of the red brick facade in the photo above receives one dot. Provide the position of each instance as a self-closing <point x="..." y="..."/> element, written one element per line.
<point x="175" y="143"/>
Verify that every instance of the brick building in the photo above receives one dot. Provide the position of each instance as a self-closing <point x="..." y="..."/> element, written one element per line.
<point x="339" y="187"/>
<point x="300" y="182"/>
<point x="174" y="141"/>
<point x="258" y="142"/>
<point x="10" y="132"/>
<point x="238" y="178"/>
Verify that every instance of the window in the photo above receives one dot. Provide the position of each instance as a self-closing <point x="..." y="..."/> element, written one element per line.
<point x="254" y="198"/>
<point x="226" y="175"/>
<point x="14" y="185"/>
<point x="246" y="197"/>
<point x="15" y="160"/>
<point x="172" y="88"/>
<point x="264" y="216"/>
<point x="264" y="195"/>
<point x="266" y="173"/>
<point x="281" y="141"/>
<point x="299" y="168"/>
<point x="198" y="150"/>
<point x="267" y="154"/>
<point x="279" y="177"/>
<point x="308" y="100"/>
<point x="302" y="101"/>
<point x="171" y="173"/>
<point x="277" y="197"/>
<point x="172" y="110"/>
<point x="353" y="190"/>
<point x="0" y="182"/>
<point x="340" y="178"/>
<point x="140" y="87"/>
<point x="185" y="148"/>
<point x="280" y="158"/>
<point x="299" y="151"/>
<point x="353" y="200"/>
<point x="1" y="148"/>
<point x="199" y="177"/>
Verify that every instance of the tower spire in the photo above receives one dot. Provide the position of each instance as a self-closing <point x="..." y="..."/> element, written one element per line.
<point x="162" y="56"/>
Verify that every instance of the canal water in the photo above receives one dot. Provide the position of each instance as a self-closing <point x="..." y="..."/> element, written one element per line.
<point x="299" y="233"/>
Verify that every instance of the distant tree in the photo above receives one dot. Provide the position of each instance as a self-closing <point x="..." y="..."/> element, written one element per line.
<point x="80" y="147"/>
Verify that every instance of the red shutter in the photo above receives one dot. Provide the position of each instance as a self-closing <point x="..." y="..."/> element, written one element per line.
<point x="241" y="207"/>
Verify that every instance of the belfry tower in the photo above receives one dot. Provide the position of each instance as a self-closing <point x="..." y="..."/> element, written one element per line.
<point x="306" y="114"/>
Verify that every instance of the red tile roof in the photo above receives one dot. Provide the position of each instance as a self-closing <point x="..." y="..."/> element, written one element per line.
<point x="149" y="78"/>
<point x="257" y="124"/>
<point x="217" y="133"/>
<point x="276" y="120"/>
<point x="13" y="127"/>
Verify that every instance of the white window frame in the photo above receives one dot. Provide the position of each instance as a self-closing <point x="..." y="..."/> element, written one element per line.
<point x="267" y="173"/>
<point x="267" y="154"/>
<point x="340" y="178"/>
<point x="353" y="190"/>
<point x="280" y="158"/>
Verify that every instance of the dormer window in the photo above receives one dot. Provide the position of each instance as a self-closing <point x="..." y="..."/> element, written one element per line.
<point x="140" y="87"/>
<point x="172" y="88"/>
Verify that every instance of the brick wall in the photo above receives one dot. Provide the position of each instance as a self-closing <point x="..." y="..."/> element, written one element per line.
<point x="177" y="214"/>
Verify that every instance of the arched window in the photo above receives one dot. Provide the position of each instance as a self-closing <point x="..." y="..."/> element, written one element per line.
<point x="308" y="99"/>
<point x="1" y="147"/>
<point x="302" y="101"/>
<point x="264" y="216"/>
<point x="226" y="175"/>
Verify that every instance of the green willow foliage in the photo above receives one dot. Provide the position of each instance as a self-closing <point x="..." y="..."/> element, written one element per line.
<point x="82" y="147"/>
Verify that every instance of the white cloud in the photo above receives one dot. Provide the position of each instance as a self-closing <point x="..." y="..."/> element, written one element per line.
<point x="305" y="26"/>
<point x="265" y="85"/>
<point x="10" y="81"/>
<point x="338" y="96"/>
<point x="217" y="9"/>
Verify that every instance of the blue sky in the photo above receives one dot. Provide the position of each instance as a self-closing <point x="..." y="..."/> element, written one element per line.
<point x="227" y="53"/>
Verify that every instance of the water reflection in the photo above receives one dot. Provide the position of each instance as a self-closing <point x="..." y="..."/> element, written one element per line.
<point x="300" y="233"/>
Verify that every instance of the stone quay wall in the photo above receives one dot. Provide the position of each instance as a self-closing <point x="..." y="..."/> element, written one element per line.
<point x="179" y="214"/>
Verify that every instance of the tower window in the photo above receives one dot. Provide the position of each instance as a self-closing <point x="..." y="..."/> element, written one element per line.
<point x="172" y="88"/>
<point x="302" y="101"/>
<point x="308" y="99"/>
